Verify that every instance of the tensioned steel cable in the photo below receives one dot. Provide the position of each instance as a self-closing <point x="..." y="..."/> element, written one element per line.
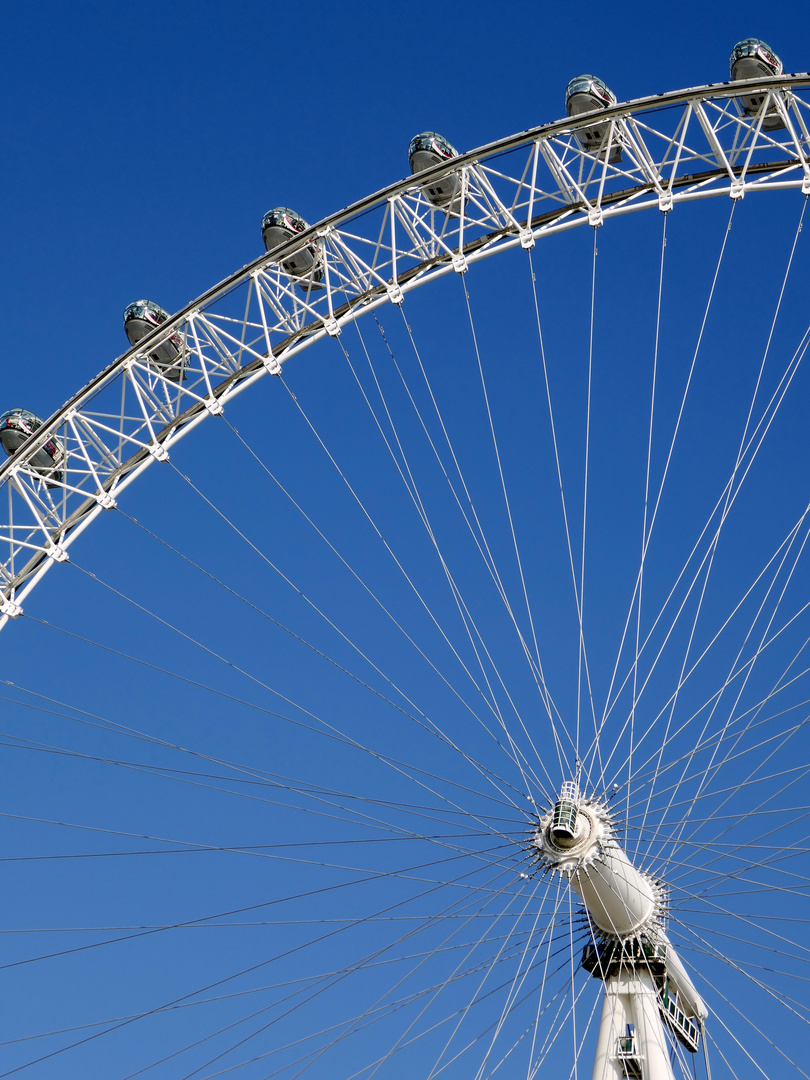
<point x="373" y="596"/>
<point x="248" y="775"/>
<point x="479" y="537"/>
<point x="669" y="456"/>
<point x="563" y="763"/>
<point x="582" y="663"/>
<point x="253" y="967"/>
<point x="776" y="399"/>
<point x="428" y="723"/>
<point x="735" y="673"/>
<point x="398" y="563"/>
<point x="333" y="981"/>
<point x="322" y="724"/>
<point x="730" y="488"/>
<point x="465" y="614"/>
<point x="484" y="551"/>
<point x="499" y="464"/>
<point x="710" y="765"/>
<point x="644" y="539"/>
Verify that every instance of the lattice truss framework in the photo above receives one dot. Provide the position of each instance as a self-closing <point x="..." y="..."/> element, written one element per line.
<point x="674" y="147"/>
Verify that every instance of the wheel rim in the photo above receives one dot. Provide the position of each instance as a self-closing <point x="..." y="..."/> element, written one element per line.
<point x="718" y="745"/>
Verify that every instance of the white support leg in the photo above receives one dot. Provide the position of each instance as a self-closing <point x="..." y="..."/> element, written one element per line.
<point x="631" y="999"/>
<point x="614" y="1021"/>
<point x="650" y="1029"/>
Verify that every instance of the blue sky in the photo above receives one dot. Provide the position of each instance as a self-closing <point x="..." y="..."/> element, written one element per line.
<point x="142" y="147"/>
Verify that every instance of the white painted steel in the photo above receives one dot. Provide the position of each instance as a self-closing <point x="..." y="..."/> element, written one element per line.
<point x="631" y="999"/>
<point x="689" y="999"/>
<point x="685" y="145"/>
<point x="613" y="1023"/>
<point x="620" y="900"/>
<point x="650" y="1028"/>
<point x="623" y="903"/>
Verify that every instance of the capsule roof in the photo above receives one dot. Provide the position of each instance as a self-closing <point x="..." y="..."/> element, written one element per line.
<point x="21" y="414"/>
<point x="285" y="218"/>
<point x="147" y="310"/>
<point x="431" y="140"/>
<point x="597" y="90"/>
<point x="755" y="49"/>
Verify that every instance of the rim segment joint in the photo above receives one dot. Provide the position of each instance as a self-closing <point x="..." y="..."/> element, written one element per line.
<point x="158" y="452"/>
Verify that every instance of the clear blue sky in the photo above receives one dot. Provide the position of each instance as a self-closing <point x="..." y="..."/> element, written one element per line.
<point x="142" y="144"/>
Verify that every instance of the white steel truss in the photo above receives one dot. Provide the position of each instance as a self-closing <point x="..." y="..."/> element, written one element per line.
<point x="684" y="145"/>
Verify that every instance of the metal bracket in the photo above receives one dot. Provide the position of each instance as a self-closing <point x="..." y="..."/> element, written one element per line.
<point x="57" y="553"/>
<point x="806" y="185"/>
<point x="158" y="452"/>
<point x="271" y="364"/>
<point x="665" y="202"/>
<point x="526" y="238"/>
<point x="460" y="263"/>
<point x="214" y="407"/>
<point x="11" y="609"/>
<point x="737" y="189"/>
<point x="106" y="500"/>
<point x="395" y="294"/>
<point x="595" y="217"/>
<point x="331" y="327"/>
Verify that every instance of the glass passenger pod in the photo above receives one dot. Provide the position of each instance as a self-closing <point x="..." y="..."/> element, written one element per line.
<point x="281" y="225"/>
<point x="143" y="317"/>
<point x="753" y="59"/>
<point x="427" y="150"/>
<point x="16" y="427"/>
<point x="587" y="94"/>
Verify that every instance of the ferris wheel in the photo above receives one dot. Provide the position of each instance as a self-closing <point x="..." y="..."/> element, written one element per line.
<point x="492" y="753"/>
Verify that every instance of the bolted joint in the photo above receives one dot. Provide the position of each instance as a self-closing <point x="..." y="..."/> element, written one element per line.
<point x="158" y="452"/>
<point x="10" y="609"/>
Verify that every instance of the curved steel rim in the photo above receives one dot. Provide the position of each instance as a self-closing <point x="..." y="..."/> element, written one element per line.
<point x="52" y="548"/>
<point x="512" y="142"/>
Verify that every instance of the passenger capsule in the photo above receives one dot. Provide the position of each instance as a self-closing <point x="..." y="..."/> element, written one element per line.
<point x="143" y="317"/>
<point x="280" y="226"/>
<point x="425" y="151"/>
<point x="753" y="59"/>
<point x="587" y="94"/>
<point x="16" y="427"/>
